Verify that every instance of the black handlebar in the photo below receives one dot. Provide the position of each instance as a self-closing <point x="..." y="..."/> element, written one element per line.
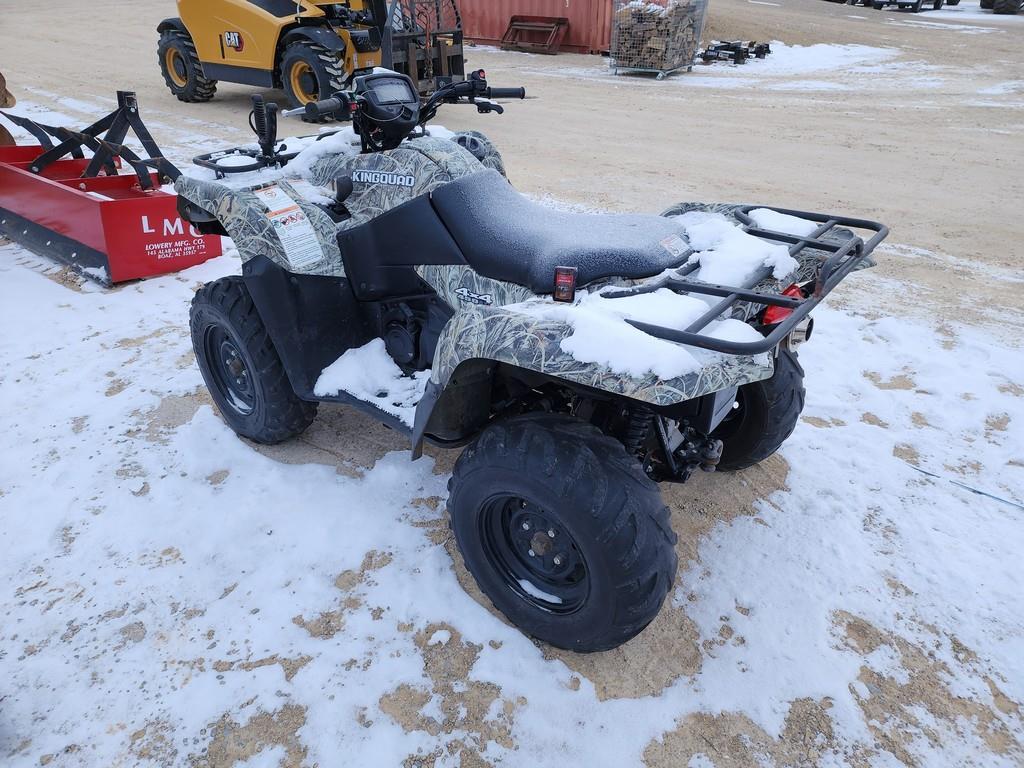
<point x="317" y="109"/>
<point x="505" y="93"/>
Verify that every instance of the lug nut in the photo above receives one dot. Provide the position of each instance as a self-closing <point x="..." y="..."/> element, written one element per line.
<point x="532" y="553"/>
<point x="551" y="533"/>
<point x="526" y="525"/>
<point x="558" y="560"/>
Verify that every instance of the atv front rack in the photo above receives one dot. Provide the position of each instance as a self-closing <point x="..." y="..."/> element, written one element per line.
<point x="844" y="255"/>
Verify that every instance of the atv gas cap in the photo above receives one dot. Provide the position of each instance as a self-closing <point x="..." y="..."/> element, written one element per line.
<point x="565" y="284"/>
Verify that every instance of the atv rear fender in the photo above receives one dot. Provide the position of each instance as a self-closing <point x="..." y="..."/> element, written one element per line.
<point x="479" y="337"/>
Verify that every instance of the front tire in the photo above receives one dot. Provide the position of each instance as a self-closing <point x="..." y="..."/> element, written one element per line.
<point x="241" y="367"/>
<point x="562" y="531"/>
<point x="765" y="415"/>
<point x="181" y="68"/>
<point x="986" y="5"/>
<point x="1006" y="7"/>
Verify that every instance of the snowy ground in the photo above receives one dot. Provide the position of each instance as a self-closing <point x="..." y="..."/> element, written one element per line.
<point x="829" y="67"/>
<point x="176" y="596"/>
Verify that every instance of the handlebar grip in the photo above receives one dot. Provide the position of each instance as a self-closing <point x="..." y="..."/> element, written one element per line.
<point x="506" y="93"/>
<point x="316" y="109"/>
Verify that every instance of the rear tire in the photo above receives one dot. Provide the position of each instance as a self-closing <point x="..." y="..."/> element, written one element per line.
<point x="937" y="5"/>
<point x="310" y="72"/>
<point x="604" y="573"/>
<point x="766" y="415"/>
<point x="181" y="68"/>
<point x="241" y="367"/>
<point x="1006" y="7"/>
<point x="986" y="5"/>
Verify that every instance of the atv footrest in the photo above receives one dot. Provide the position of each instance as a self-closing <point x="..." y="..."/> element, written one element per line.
<point x="844" y="255"/>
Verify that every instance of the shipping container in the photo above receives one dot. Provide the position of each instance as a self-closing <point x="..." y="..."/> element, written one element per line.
<point x="590" y="21"/>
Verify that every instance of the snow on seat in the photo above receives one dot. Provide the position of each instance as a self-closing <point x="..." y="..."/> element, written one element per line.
<point x="505" y="236"/>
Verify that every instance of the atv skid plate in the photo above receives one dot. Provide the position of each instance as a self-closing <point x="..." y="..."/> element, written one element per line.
<point x="80" y="210"/>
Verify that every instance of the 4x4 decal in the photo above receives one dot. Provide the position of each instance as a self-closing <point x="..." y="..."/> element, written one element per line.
<point x="474" y="298"/>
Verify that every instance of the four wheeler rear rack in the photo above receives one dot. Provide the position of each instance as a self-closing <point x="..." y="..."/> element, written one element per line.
<point x="844" y="256"/>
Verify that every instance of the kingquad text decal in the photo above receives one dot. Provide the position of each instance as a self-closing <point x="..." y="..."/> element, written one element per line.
<point x="474" y="298"/>
<point x="381" y="177"/>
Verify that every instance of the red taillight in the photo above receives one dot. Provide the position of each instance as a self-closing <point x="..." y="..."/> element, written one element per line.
<point x="565" y="284"/>
<point x="775" y="315"/>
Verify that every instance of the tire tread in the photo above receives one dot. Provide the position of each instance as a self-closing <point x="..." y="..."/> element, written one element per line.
<point x="634" y="525"/>
<point x="285" y="415"/>
<point x="199" y="88"/>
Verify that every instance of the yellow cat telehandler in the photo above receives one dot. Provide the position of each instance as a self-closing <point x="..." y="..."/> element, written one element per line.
<point x="309" y="48"/>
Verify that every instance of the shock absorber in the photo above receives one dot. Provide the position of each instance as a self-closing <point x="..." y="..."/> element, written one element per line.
<point x="638" y="427"/>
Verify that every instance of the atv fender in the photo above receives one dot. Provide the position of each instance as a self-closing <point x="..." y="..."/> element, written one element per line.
<point x="171" y="24"/>
<point x="502" y="334"/>
<point x="244" y="217"/>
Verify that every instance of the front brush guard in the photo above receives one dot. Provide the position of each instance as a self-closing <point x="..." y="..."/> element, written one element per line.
<point x="845" y="256"/>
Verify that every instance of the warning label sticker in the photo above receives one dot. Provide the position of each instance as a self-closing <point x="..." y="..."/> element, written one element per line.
<point x="675" y="245"/>
<point x="292" y="227"/>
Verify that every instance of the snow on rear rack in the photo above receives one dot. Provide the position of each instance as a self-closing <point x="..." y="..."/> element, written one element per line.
<point x="844" y="254"/>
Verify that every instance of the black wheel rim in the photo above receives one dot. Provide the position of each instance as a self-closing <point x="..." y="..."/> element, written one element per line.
<point x="309" y="84"/>
<point x="179" y="67"/>
<point x="231" y="377"/>
<point x="534" y="554"/>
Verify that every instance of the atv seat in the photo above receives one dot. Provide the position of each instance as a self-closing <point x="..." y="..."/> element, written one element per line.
<point x="505" y="236"/>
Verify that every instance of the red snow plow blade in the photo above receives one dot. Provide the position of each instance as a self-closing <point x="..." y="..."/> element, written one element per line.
<point x="108" y="226"/>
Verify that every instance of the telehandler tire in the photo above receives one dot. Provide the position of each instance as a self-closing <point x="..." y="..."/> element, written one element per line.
<point x="764" y="417"/>
<point x="1006" y="7"/>
<point x="986" y="5"/>
<point x="241" y="367"/>
<point x="310" y="72"/>
<point x="181" y="68"/>
<point x="563" y="531"/>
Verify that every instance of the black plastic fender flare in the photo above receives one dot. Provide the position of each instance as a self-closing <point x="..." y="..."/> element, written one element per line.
<point x="321" y="35"/>
<point x="172" y="24"/>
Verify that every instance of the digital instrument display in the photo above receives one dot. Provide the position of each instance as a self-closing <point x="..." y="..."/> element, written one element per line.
<point x="392" y="91"/>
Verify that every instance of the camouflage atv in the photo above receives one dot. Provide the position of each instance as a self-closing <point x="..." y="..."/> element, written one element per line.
<point x="407" y="278"/>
